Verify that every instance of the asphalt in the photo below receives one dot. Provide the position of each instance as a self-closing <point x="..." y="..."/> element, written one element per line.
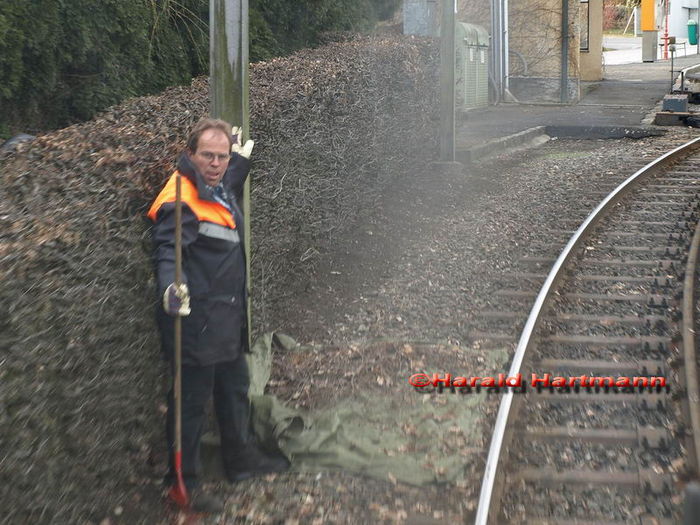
<point x="627" y="97"/>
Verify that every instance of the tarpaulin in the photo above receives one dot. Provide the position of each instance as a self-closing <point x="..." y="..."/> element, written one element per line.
<point x="424" y="440"/>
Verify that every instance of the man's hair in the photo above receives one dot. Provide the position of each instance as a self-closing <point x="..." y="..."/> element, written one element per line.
<point x="205" y="124"/>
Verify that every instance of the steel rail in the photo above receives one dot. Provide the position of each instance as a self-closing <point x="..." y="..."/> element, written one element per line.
<point x="689" y="354"/>
<point x="533" y="319"/>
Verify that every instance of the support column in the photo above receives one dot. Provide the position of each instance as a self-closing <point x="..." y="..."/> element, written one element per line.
<point x="592" y="59"/>
<point x="649" y="31"/>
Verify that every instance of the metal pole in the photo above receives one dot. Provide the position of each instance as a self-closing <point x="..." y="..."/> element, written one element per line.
<point x="505" y="46"/>
<point x="666" y="32"/>
<point x="564" y="88"/>
<point x="498" y="46"/>
<point x="228" y="85"/>
<point x="495" y="51"/>
<point x="672" y="49"/>
<point x="447" y="81"/>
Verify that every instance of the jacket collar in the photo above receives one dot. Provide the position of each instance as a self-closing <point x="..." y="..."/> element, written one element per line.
<point x="187" y="169"/>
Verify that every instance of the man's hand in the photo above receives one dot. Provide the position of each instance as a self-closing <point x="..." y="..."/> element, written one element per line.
<point x="245" y="150"/>
<point x="176" y="300"/>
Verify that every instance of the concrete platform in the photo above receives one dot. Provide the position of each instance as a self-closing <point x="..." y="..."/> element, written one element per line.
<point x="625" y="98"/>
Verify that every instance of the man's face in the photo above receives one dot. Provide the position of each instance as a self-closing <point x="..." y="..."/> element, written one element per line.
<point x="212" y="155"/>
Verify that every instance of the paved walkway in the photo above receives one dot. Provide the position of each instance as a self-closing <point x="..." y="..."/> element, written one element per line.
<point x="628" y="50"/>
<point x="627" y="94"/>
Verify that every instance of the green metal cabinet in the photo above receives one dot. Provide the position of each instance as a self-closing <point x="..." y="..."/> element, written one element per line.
<point x="472" y="67"/>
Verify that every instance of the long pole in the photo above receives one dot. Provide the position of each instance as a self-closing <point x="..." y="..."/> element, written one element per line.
<point x="447" y="81"/>
<point x="629" y="21"/>
<point x="564" y="87"/>
<point x="673" y="77"/>
<point x="178" y="492"/>
<point x="666" y="32"/>
<point x="494" y="53"/>
<point x="228" y="86"/>
<point x="505" y="46"/>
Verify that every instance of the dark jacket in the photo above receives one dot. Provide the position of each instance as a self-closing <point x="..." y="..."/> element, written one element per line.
<point x="213" y="265"/>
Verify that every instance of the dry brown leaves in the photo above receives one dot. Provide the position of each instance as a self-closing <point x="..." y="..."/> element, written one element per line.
<point x="80" y="380"/>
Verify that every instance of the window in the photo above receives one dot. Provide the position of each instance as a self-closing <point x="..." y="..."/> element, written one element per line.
<point x="585" y="21"/>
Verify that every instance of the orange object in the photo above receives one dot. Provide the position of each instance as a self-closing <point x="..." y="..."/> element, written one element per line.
<point x="204" y="210"/>
<point x="178" y="492"/>
<point x="648" y="15"/>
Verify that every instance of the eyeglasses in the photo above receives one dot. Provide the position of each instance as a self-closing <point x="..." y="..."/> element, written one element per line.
<point x="209" y="156"/>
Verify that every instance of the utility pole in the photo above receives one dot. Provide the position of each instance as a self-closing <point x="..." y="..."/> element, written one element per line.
<point x="496" y="56"/>
<point x="447" y="81"/>
<point x="228" y="85"/>
<point x="564" y="84"/>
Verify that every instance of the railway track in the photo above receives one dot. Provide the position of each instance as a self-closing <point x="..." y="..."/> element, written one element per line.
<point x="617" y="303"/>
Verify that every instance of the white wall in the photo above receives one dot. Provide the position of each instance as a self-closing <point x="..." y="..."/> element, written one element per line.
<point x="680" y="11"/>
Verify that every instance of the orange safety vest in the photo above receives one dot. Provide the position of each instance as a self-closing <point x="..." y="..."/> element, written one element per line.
<point x="204" y="210"/>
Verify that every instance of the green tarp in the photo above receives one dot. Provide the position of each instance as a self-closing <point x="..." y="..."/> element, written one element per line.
<point x="424" y="440"/>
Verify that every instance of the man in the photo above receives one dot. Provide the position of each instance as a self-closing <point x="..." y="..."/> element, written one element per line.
<point x="212" y="300"/>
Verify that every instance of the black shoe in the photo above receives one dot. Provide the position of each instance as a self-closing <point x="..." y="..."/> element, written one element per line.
<point x="252" y="462"/>
<point x="201" y="501"/>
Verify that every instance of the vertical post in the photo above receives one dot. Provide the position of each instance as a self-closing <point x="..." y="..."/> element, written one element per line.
<point x="666" y="31"/>
<point x="228" y="85"/>
<point x="494" y="52"/>
<point x="505" y="47"/>
<point x="564" y="87"/>
<point x="447" y="81"/>
<point x="672" y="49"/>
<point x="649" y="32"/>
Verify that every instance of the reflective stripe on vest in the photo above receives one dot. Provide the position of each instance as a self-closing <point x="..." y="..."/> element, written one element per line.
<point x="204" y="210"/>
<point x="218" y="232"/>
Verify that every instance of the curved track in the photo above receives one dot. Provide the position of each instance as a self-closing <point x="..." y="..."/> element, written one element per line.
<point x="610" y="306"/>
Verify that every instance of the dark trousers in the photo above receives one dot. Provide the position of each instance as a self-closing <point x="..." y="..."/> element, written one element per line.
<point x="228" y="383"/>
